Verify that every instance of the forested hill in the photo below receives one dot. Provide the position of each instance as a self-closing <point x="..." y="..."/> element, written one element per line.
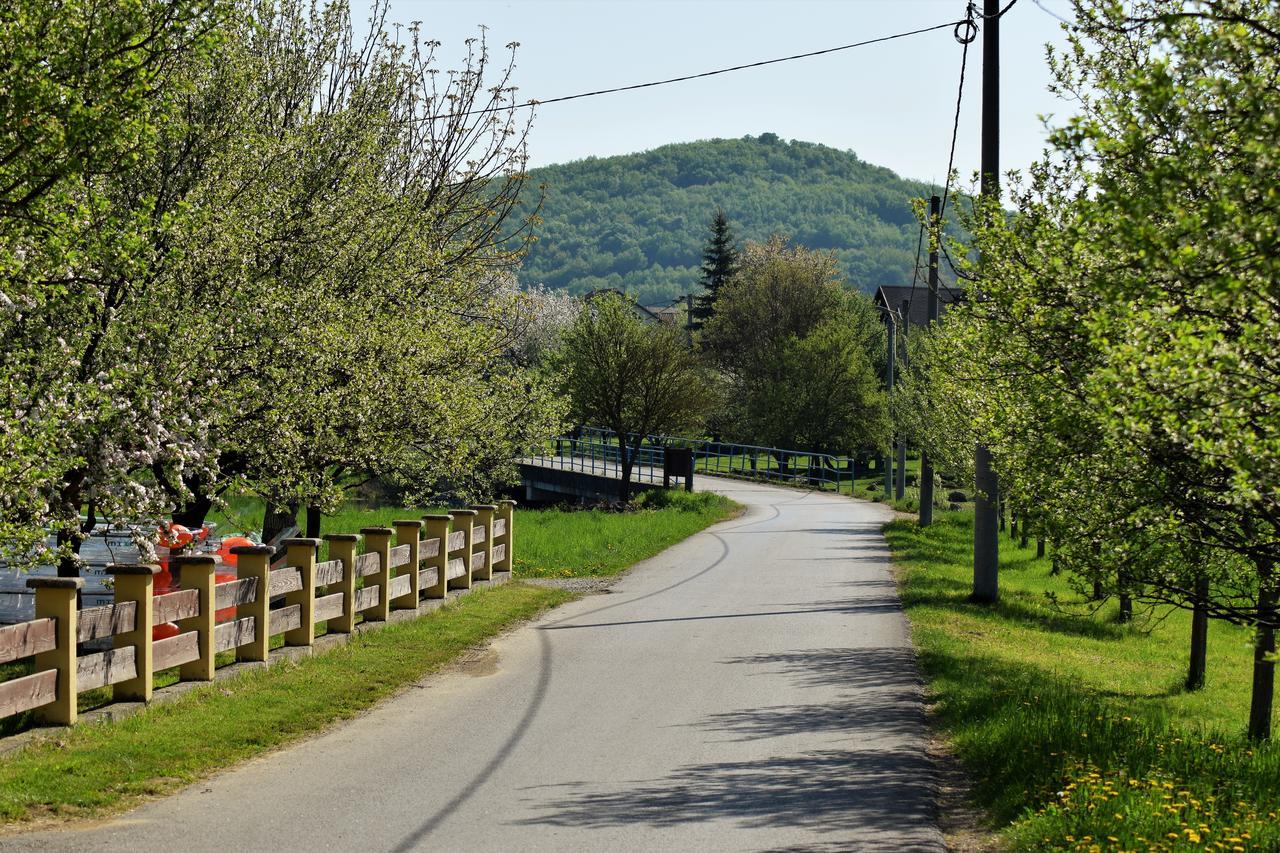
<point x="638" y="222"/>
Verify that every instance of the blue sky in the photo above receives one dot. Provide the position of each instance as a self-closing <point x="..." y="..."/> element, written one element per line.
<point x="891" y="103"/>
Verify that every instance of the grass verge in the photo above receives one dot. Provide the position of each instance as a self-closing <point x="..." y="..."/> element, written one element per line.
<point x="1075" y="729"/>
<point x="93" y="770"/>
<point x="601" y="543"/>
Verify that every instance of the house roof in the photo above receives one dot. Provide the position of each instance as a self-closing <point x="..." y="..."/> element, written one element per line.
<point x="893" y="295"/>
<point x="645" y="314"/>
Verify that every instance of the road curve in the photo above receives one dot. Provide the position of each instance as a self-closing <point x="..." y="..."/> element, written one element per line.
<point x="752" y="688"/>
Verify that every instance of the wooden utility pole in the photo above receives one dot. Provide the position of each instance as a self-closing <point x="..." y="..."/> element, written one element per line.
<point x="986" y="531"/>
<point x="926" y="464"/>
<point x="688" y="318"/>
<point x="888" y="381"/>
<point x="900" y="478"/>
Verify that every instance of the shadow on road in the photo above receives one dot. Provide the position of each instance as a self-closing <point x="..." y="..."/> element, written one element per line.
<point x="824" y="791"/>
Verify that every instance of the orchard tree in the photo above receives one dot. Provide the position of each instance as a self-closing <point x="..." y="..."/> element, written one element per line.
<point x="1121" y="333"/>
<point x="632" y="377"/>
<point x="82" y="98"/>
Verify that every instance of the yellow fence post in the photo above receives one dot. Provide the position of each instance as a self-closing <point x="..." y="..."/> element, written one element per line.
<point x="195" y="571"/>
<point x="135" y="583"/>
<point x="438" y="527"/>
<point x="507" y="512"/>
<point x="484" y="519"/>
<point x="464" y="519"/>
<point x="377" y="540"/>
<point x="254" y="561"/>
<point x="56" y="599"/>
<point x="301" y="555"/>
<point x="408" y="532"/>
<point x="342" y="546"/>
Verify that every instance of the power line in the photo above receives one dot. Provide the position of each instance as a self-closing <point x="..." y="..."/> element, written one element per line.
<point x="536" y="103"/>
<point x="1052" y="14"/>
<point x="951" y="157"/>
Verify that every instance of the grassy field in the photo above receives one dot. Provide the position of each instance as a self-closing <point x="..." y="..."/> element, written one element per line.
<point x="599" y="543"/>
<point x="1075" y="729"/>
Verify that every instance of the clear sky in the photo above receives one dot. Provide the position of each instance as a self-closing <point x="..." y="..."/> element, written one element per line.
<point x="891" y="103"/>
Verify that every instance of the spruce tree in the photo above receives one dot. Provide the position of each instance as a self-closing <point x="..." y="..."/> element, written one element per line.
<point x="719" y="260"/>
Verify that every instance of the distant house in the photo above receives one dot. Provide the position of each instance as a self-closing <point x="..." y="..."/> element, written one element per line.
<point x="644" y="314"/>
<point x="892" y="296"/>
<point x="669" y="314"/>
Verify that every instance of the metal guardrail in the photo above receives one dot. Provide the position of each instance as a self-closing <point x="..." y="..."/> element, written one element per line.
<point x="595" y="450"/>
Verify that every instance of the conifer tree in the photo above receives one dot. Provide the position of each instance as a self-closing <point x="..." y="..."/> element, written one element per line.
<point x="719" y="261"/>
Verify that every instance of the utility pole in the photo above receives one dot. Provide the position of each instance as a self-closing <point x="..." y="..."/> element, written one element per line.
<point x="888" y="381"/>
<point x="900" y="482"/>
<point x="986" y="532"/>
<point x="688" y="318"/>
<point x="926" y="464"/>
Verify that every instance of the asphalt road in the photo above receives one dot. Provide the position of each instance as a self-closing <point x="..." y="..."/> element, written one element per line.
<point x="752" y="688"/>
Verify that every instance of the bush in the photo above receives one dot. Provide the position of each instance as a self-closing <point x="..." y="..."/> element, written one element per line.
<point x="676" y="499"/>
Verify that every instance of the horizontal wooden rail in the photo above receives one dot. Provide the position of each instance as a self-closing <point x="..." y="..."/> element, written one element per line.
<point x="237" y="632"/>
<point x="103" y="668"/>
<point x="174" y="651"/>
<point x="366" y="564"/>
<point x="328" y="572"/>
<point x="94" y="623"/>
<point x="28" y="692"/>
<point x="173" y="606"/>
<point x="26" y="639"/>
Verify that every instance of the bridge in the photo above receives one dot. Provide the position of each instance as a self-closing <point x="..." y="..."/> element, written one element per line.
<point x="587" y="466"/>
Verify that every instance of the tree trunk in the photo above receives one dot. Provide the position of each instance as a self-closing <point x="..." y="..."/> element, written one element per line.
<point x="276" y="519"/>
<point x="313" y="521"/>
<point x="1013" y="525"/>
<point x="193" y="513"/>
<point x="1040" y="547"/>
<point x="1264" y="667"/>
<point x="1025" y="538"/>
<point x="1199" y="635"/>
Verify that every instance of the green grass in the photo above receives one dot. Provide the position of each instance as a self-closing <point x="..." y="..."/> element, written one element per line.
<point x="600" y="543"/>
<point x="1075" y="729"/>
<point x="96" y="769"/>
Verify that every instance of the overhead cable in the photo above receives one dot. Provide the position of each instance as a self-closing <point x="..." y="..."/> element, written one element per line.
<point x="536" y="102"/>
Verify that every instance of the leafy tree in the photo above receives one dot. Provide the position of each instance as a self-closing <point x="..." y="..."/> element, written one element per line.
<point x="719" y="261"/>
<point x="799" y="353"/>
<point x="81" y="101"/>
<point x="633" y="377"/>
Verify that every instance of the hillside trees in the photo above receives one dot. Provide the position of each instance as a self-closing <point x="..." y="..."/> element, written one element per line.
<point x="1120" y="352"/>
<point x="799" y="353"/>
<point x="636" y="223"/>
<point x="632" y="377"/>
<point x="293" y="286"/>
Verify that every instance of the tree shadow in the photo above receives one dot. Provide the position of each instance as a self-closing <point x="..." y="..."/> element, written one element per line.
<point x="852" y="668"/>
<point x="887" y="795"/>
<point x="889" y="713"/>
<point x="953" y="595"/>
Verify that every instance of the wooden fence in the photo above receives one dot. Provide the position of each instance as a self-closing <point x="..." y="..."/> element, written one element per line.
<point x="428" y="558"/>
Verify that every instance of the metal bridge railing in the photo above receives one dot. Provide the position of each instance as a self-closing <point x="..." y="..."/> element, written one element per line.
<point x="595" y="450"/>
